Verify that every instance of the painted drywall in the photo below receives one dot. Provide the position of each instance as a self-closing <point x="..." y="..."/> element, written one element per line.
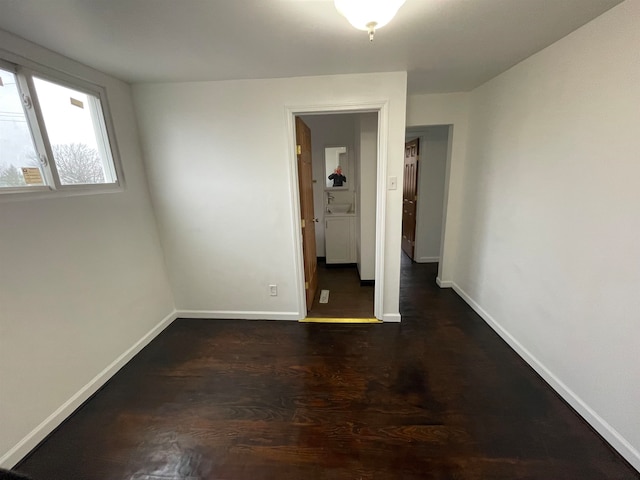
<point x="219" y="167"/>
<point x="446" y="109"/>
<point x="367" y="133"/>
<point x="434" y="146"/>
<point x="83" y="280"/>
<point x="329" y="131"/>
<point x="549" y="244"/>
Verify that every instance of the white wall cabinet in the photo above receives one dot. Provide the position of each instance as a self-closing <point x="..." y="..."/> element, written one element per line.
<point x="340" y="245"/>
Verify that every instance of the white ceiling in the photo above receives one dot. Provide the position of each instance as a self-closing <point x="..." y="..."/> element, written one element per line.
<point x="445" y="45"/>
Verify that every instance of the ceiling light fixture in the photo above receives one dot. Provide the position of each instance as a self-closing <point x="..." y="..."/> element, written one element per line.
<point x="368" y="15"/>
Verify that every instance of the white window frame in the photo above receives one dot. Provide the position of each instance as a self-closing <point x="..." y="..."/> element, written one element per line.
<point x="25" y="70"/>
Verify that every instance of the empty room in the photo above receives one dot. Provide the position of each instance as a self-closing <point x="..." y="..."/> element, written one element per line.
<point x="172" y="219"/>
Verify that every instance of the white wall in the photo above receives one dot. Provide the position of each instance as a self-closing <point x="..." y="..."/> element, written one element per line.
<point x="328" y="130"/>
<point x="434" y="147"/>
<point x="82" y="281"/>
<point x="367" y="132"/>
<point x="549" y="248"/>
<point x="220" y="171"/>
<point x="446" y="109"/>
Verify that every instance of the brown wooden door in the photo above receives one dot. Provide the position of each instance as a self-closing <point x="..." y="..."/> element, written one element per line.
<point x="305" y="182"/>
<point x="410" y="197"/>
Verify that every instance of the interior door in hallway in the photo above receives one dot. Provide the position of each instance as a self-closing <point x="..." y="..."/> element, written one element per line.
<point x="410" y="197"/>
<point x="305" y="182"/>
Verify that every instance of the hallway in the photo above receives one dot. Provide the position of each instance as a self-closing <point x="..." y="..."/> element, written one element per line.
<point x="439" y="396"/>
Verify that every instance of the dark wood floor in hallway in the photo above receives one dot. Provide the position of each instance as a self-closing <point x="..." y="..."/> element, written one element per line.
<point x="439" y="396"/>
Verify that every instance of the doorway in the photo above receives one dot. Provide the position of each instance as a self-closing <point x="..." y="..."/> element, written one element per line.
<point x="433" y="145"/>
<point x="345" y="215"/>
<point x="344" y="161"/>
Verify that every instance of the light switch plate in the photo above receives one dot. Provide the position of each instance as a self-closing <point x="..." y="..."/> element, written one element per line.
<point x="393" y="183"/>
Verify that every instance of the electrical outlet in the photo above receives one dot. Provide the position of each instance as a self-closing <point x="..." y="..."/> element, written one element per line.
<point x="273" y="290"/>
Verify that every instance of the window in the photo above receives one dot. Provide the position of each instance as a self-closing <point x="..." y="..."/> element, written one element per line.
<point x="53" y="134"/>
<point x="16" y="145"/>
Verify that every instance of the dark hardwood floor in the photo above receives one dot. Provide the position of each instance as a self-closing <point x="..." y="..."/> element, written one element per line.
<point x="439" y="396"/>
<point x="347" y="298"/>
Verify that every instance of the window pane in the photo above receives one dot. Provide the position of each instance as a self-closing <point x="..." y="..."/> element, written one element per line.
<point x="19" y="163"/>
<point x="77" y="134"/>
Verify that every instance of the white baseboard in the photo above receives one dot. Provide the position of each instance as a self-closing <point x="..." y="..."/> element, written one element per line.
<point x="609" y="433"/>
<point x="427" y="259"/>
<point x="443" y="283"/>
<point x="391" y="318"/>
<point x="239" y="315"/>
<point x="29" y="442"/>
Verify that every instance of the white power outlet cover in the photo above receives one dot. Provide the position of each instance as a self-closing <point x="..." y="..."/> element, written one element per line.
<point x="324" y="296"/>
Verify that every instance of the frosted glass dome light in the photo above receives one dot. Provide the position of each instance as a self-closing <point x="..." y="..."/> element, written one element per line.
<point x="368" y="15"/>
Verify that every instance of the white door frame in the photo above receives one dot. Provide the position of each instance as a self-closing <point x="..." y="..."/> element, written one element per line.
<point x="381" y="108"/>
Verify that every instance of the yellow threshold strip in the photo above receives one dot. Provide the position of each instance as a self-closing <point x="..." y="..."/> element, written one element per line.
<point x="339" y="320"/>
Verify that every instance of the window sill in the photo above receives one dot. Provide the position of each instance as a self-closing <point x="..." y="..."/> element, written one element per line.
<point x="42" y="193"/>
